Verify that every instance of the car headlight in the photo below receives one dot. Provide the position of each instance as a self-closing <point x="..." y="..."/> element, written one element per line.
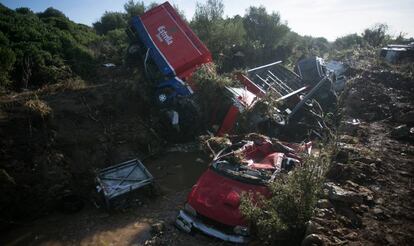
<point x="189" y="209"/>
<point x="241" y="230"/>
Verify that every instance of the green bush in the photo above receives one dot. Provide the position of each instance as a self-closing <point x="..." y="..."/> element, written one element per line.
<point x="43" y="48"/>
<point x="110" y="21"/>
<point x="283" y="215"/>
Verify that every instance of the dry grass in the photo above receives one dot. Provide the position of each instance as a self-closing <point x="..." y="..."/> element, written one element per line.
<point x="67" y="85"/>
<point x="38" y="107"/>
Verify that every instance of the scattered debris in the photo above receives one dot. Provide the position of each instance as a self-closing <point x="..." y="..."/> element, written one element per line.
<point x="398" y="53"/>
<point x="108" y="65"/>
<point x="120" y="180"/>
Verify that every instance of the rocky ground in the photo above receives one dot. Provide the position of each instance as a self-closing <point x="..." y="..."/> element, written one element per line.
<point x="368" y="196"/>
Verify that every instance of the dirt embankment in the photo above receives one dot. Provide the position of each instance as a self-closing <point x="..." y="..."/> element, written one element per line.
<point x="51" y="144"/>
<point x="369" y="191"/>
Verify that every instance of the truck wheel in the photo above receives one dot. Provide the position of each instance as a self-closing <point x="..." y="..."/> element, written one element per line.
<point x="133" y="54"/>
<point x="134" y="49"/>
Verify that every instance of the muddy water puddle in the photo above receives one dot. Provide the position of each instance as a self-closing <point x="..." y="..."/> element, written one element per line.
<point x="177" y="171"/>
<point x="174" y="172"/>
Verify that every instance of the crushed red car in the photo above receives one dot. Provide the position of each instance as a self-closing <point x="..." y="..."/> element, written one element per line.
<point x="212" y="206"/>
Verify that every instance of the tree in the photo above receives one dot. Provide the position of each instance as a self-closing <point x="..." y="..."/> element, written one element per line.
<point x="134" y="8"/>
<point x="376" y="35"/>
<point x="211" y="11"/>
<point x="264" y="33"/>
<point x="349" y="41"/>
<point x="110" y="21"/>
<point x="42" y="48"/>
<point x="206" y="17"/>
<point x="265" y="28"/>
<point x="7" y="59"/>
<point x="222" y="36"/>
<point x="51" y="12"/>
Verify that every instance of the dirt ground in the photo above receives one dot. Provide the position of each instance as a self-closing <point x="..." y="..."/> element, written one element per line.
<point x="146" y="221"/>
<point x="46" y="156"/>
<point x="369" y="192"/>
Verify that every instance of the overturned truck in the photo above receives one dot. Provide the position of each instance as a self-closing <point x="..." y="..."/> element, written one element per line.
<point x="171" y="52"/>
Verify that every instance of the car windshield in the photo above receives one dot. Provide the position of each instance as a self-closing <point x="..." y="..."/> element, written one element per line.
<point x="234" y="162"/>
<point x="257" y="162"/>
<point x="241" y="172"/>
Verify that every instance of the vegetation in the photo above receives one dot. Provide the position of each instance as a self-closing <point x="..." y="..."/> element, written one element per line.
<point x="43" y="48"/>
<point x="38" y="107"/>
<point x="282" y="217"/>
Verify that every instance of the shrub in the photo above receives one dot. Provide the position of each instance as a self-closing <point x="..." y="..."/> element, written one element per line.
<point x="283" y="215"/>
<point x="42" y="48"/>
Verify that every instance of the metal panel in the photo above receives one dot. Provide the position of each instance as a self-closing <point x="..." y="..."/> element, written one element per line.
<point x="275" y="77"/>
<point x="120" y="179"/>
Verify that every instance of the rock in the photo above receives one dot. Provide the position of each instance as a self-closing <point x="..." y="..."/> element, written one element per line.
<point x="379" y="201"/>
<point x="364" y="208"/>
<point x="342" y="156"/>
<point x="352" y="184"/>
<point x="390" y="239"/>
<point x="351" y="236"/>
<point x="335" y="171"/>
<point x="366" y="194"/>
<point x="348" y="139"/>
<point x="379" y="213"/>
<point x="407" y="118"/>
<point x="158" y="227"/>
<point x="324" y="203"/>
<point x="313" y="239"/>
<point x="401" y="131"/>
<point x="311" y="227"/>
<point x="339" y="194"/>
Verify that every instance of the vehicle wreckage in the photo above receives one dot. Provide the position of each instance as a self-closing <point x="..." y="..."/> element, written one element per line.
<point x="246" y="166"/>
<point x="171" y="53"/>
<point x="398" y="53"/>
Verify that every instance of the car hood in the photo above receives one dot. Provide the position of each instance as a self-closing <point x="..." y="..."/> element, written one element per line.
<point x="218" y="197"/>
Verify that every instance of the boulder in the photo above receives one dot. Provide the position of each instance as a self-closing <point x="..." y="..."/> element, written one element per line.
<point x="401" y="131"/>
<point x="157" y="228"/>
<point x="339" y="194"/>
<point x="313" y="239"/>
<point x="324" y="203"/>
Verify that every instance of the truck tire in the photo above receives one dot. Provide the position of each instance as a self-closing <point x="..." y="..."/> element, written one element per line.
<point x="134" y="49"/>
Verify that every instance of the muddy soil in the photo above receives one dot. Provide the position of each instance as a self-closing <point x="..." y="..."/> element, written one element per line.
<point x="46" y="155"/>
<point x="144" y="221"/>
<point x="369" y="192"/>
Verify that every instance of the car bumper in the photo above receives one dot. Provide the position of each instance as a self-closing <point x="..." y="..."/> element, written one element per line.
<point x="187" y="222"/>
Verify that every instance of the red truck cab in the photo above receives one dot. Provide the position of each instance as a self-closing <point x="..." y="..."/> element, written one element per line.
<point x="213" y="204"/>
